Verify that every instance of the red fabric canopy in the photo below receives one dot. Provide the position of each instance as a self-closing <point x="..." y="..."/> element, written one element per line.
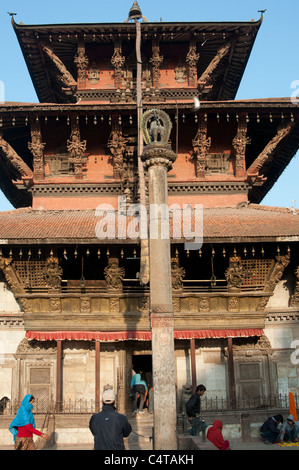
<point x="138" y="335"/>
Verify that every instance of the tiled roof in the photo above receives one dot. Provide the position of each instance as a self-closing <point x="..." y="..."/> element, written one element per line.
<point x="253" y="222"/>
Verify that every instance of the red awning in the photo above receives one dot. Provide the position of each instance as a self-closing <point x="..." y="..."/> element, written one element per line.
<point x="139" y="335"/>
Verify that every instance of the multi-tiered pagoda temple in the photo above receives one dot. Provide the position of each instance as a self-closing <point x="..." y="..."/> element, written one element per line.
<point x="74" y="304"/>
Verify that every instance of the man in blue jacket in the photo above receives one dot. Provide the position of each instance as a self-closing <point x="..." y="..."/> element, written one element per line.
<point x="269" y="430"/>
<point x="109" y="427"/>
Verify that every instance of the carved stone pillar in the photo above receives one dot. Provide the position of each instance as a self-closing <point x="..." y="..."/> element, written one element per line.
<point x="158" y="158"/>
<point x="192" y="59"/>
<point x="36" y="146"/>
<point x="239" y="144"/>
<point x="201" y="144"/>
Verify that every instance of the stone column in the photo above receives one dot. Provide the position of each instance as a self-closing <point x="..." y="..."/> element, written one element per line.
<point x="158" y="158"/>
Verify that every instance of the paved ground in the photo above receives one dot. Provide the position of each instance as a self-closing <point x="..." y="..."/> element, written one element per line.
<point x="248" y="446"/>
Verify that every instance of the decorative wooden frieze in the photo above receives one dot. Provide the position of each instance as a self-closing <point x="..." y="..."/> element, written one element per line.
<point x="192" y="59"/>
<point x="114" y="305"/>
<point x="114" y="275"/>
<point x="85" y="305"/>
<point x="76" y="149"/>
<point x="36" y="146"/>
<point x="201" y="144"/>
<point x="55" y="305"/>
<point x="81" y="61"/>
<point x="239" y="144"/>
<point x="156" y="61"/>
<point x="203" y="304"/>
<point x="233" y="304"/>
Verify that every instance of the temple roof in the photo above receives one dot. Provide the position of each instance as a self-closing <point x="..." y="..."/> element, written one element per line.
<point x="252" y="223"/>
<point x="209" y="36"/>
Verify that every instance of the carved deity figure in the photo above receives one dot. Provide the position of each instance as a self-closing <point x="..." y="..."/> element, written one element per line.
<point x="114" y="274"/>
<point x="76" y="149"/>
<point x="177" y="275"/>
<point x="117" y="144"/>
<point x="53" y="273"/>
<point x="235" y="273"/>
<point x="156" y="126"/>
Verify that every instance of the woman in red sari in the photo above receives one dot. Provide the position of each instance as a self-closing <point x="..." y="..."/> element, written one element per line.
<point x="214" y="435"/>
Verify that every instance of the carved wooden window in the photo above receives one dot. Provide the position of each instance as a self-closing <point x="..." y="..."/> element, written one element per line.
<point x="59" y="164"/>
<point x="217" y="163"/>
<point x="256" y="271"/>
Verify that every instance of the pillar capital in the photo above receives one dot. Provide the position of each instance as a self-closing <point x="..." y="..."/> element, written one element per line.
<point x="158" y="154"/>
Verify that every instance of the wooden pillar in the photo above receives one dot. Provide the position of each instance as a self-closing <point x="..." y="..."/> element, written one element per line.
<point x="59" y="375"/>
<point x="97" y="375"/>
<point x="193" y="364"/>
<point x="231" y="372"/>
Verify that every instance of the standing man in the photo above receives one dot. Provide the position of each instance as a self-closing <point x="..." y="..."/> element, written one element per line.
<point x="193" y="410"/>
<point x="109" y="427"/>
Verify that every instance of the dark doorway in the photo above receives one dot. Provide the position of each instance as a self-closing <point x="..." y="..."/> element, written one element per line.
<point x="142" y="362"/>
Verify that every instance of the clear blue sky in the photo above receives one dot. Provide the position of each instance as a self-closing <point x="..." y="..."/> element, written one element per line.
<point x="273" y="66"/>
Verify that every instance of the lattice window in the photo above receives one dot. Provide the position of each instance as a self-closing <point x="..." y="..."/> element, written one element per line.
<point x="256" y="271"/>
<point x="39" y="386"/>
<point x="31" y="273"/>
<point x="250" y="383"/>
<point x="217" y="163"/>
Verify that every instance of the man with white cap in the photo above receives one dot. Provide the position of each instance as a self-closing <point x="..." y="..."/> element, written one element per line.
<point x="109" y="427"/>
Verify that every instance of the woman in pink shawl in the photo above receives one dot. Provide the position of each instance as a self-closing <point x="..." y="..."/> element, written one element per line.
<point x="214" y="435"/>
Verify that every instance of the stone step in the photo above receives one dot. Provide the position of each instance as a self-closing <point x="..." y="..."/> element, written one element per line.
<point x="142" y="429"/>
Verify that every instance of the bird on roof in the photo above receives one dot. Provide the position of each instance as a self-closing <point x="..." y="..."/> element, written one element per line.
<point x="11" y="14"/>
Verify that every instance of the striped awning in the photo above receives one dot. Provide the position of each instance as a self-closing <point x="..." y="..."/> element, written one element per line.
<point x="112" y="336"/>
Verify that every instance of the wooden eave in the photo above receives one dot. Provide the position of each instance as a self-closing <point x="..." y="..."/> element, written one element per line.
<point x="208" y="36"/>
<point x="14" y="115"/>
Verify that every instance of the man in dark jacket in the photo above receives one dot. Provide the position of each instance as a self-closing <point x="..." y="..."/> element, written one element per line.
<point x="193" y="410"/>
<point x="269" y="430"/>
<point x="109" y="427"/>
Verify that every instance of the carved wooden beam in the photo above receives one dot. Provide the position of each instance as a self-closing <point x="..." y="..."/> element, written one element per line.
<point x="192" y="59"/>
<point x="117" y="145"/>
<point x="76" y="149"/>
<point x="118" y="61"/>
<point x="81" y="61"/>
<point x="205" y="78"/>
<point x="266" y="156"/>
<point x="156" y="61"/>
<point x="201" y="144"/>
<point x="11" y="276"/>
<point x="274" y="276"/>
<point x="239" y="143"/>
<point x="65" y="77"/>
<point x="36" y="146"/>
<point x="16" y="161"/>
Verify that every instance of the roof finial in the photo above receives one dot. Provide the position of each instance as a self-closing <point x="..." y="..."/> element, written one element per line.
<point x="135" y="13"/>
